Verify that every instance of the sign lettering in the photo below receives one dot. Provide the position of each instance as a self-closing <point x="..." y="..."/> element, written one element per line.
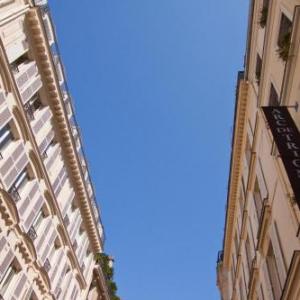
<point x="287" y="139"/>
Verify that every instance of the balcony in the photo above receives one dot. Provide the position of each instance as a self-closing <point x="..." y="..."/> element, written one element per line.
<point x="66" y="220"/>
<point x="32" y="233"/>
<point x="12" y="166"/>
<point x="75" y="223"/>
<point x="6" y="255"/>
<point x="21" y="288"/>
<point x="15" y="194"/>
<point x="89" y="261"/>
<point x="41" y="117"/>
<point x="58" y="68"/>
<point x="47" y="265"/>
<point x="47" y="25"/>
<point x="56" y="262"/>
<point x="220" y="257"/>
<point x="83" y="242"/>
<point x="15" y="41"/>
<point x="42" y="127"/>
<point x="43" y="231"/>
<point x="101" y="231"/>
<point x="95" y="209"/>
<point x="30" y="204"/>
<point x="52" y="156"/>
<point x="75" y="245"/>
<point x="60" y="180"/>
<point x="27" y="79"/>
<point x="48" y="244"/>
<point x="65" y="199"/>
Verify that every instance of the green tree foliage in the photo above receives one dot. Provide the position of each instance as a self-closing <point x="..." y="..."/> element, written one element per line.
<point x="104" y="261"/>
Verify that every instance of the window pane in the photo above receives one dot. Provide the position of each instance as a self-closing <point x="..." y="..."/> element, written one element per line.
<point x="273" y="100"/>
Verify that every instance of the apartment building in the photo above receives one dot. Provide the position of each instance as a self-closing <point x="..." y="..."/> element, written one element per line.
<point x="261" y="247"/>
<point x="50" y="226"/>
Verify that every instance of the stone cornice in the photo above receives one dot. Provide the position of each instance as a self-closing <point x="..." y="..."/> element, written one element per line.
<point x="51" y="85"/>
<point x="236" y="166"/>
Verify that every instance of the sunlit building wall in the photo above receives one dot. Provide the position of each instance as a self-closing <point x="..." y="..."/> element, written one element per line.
<point x="50" y="227"/>
<point x="261" y="247"/>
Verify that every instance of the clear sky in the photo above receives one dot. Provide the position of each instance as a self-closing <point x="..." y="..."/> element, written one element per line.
<point x="153" y="82"/>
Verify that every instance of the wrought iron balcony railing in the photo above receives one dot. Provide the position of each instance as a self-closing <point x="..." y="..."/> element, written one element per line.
<point x="32" y="233"/>
<point x="14" y="194"/>
<point x="47" y="265"/>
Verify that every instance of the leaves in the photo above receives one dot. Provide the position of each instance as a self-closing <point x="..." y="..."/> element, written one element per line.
<point x="263" y="17"/>
<point x="284" y="46"/>
<point x="108" y="272"/>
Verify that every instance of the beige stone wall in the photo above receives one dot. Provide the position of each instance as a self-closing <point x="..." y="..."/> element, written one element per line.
<point x="261" y="244"/>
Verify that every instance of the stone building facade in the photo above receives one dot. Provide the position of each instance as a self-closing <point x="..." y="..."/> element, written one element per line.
<point x="50" y="226"/>
<point x="261" y="247"/>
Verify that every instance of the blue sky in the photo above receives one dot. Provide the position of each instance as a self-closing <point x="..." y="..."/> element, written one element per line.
<point x="153" y="84"/>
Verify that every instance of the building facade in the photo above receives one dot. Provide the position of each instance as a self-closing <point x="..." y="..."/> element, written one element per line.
<point x="261" y="247"/>
<point x="50" y="227"/>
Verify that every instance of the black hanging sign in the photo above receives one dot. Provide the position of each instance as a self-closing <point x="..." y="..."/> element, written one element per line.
<point x="287" y="138"/>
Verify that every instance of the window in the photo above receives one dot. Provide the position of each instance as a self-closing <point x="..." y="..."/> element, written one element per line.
<point x="264" y="13"/>
<point x="248" y="253"/>
<point x="88" y="251"/>
<point x="38" y="220"/>
<point x="7" y="279"/>
<point x="21" y="180"/>
<point x="6" y="138"/>
<point x="258" y="68"/>
<point x="33" y="105"/>
<point x="248" y="151"/>
<point x="273" y="99"/>
<point x="49" y="149"/>
<point x="273" y="273"/>
<point x="284" y="37"/>
<point x="257" y="199"/>
<point x="236" y="243"/>
<point x="18" y="62"/>
<point x="19" y="185"/>
<point x="241" y="202"/>
<point x="31" y="296"/>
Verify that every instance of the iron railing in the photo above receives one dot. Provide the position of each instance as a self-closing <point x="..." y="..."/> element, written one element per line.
<point x="32" y="233"/>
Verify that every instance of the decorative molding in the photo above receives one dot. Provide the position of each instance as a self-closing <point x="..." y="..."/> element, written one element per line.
<point x="52" y="87"/>
<point x="253" y="279"/>
<point x="263" y="226"/>
<point x="292" y="284"/>
<point x="101" y="282"/>
<point x="8" y="209"/>
<point x="238" y="148"/>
